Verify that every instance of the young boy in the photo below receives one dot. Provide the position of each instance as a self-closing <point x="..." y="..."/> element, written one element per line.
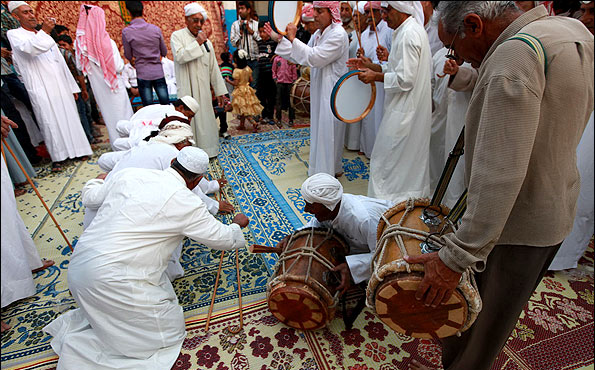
<point x="265" y="88"/>
<point x="284" y="74"/>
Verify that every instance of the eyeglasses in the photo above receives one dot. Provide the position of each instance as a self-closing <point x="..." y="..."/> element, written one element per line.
<point x="197" y="20"/>
<point x="450" y="54"/>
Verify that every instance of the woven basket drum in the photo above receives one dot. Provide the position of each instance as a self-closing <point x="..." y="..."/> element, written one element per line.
<point x="391" y="290"/>
<point x="300" y="293"/>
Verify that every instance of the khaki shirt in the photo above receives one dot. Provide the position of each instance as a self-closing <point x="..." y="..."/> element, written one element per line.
<point x="522" y="128"/>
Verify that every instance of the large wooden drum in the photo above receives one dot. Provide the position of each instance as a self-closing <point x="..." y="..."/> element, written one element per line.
<point x="302" y="292"/>
<point x="412" y="228"/>
<point x="299" y="97"/>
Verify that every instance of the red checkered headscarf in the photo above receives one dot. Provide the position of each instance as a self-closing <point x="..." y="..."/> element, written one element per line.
<point x="333" y="6"/>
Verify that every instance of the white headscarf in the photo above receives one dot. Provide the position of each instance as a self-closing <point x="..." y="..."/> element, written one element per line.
<point x="12" y="5"/>
<point x="324" y="189"/>
<point x="360" y="8"/>
<point x="173" y="133"/>
<point x="413" y="8"/>
<point x="194" y="8"/>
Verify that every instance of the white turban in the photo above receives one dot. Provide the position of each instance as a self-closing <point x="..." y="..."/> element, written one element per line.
<point x="413" y="8"/>
<point x="324" y="189"/>
<point x="194" y="159"/>
<point x="12" y="5"/>
<point x="191" y="103"/>
<point x="360" y="8"/>
<point x="351" y="4"/>
<point x="173" y="133"/>
<point x="194" y="8"/>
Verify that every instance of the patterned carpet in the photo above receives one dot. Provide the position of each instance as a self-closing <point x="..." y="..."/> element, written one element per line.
<point x="265" y="171"/>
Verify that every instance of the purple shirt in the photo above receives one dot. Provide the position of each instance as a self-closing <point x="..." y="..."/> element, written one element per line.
<point x="144" y="41"/>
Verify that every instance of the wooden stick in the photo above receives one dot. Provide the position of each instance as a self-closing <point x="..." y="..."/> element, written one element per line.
<point x="358" y="32"/>
<point x="374" y="24"/>
<point x="214" y="291"/>
<point x="37" y="192"/>
<point x="255" y="248"/>
<point x="239" y="328"/>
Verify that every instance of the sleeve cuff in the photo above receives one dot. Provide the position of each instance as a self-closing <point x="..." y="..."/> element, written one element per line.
<point x="359" y="266"/>
<point x="238" y="236"/>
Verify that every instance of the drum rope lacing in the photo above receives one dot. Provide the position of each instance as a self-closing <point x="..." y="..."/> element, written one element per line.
<point x="305" y="251"/>
<point x="397" y="231"/>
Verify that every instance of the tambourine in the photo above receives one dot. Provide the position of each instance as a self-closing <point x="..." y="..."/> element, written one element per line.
<point x="281" y="13"/>
<point x="352" y="99"/>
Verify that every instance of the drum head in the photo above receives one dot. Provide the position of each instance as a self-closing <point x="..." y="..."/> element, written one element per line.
<point x="351" y="99"/>
<point x="397" y="307"/>
<point x="299" y="308"/>
<point x="281" y="13"/>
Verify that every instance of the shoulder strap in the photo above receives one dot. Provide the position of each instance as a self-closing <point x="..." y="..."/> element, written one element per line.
<point x="535" y="44"/>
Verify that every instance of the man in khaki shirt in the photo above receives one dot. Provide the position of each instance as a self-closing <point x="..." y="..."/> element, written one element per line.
<point x="530" y="105"/>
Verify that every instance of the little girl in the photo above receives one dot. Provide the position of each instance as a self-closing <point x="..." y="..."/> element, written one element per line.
<point x="244" y="101"/>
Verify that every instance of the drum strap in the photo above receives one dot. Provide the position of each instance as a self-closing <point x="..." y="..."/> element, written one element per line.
<point x="449" y="169"/>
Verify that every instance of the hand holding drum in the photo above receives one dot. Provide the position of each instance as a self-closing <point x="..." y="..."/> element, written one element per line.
<point x="283" y="15"/>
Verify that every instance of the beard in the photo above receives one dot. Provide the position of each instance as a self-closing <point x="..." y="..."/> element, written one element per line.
<point x="346" y="19"/>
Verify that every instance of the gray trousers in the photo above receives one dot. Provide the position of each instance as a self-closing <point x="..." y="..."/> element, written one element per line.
<point x="511" y="276"/>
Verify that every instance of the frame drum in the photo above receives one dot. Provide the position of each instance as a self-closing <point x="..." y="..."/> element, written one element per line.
<point x="351" y="99"/>
<point x="281" y="13"/>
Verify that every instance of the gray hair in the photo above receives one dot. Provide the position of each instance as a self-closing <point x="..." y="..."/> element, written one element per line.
<point x="452" y="13"/>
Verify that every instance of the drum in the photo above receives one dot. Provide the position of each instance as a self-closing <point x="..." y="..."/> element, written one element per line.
<point x="282" y="13"/>
<point x="302" y="291"/>
<point x="411" y="228"/>
<point x="351" y="99"/>
<point x="299" y="97"/>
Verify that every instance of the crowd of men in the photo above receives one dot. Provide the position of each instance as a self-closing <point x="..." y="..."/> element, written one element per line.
<point x="500" y="72"/>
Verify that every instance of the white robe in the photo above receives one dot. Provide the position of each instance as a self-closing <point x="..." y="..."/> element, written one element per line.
<point x="371" y="123"/>
<point x="326" y="54"/>
<point x="169" y="72"/>
<point x="114" y="105"/>
<point x="196" y="71"/>
<point x="576" y="242"/>
<point x="432" y="30"/>
<point x="440" y="99"/>
<point x="399" y="166"/>
<point x="353" y="130"/>
<point x="129" y="316"/>
<point x="19" y="255"/>
<point x="51" y="87"/>
<point x="357" y="221"/>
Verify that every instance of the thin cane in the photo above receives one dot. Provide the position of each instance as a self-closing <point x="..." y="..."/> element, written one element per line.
<point x="374" y="24"/>
<point x="214" y="292"/>
<point x="36" y="192"/>
<point x="358" y="32"/>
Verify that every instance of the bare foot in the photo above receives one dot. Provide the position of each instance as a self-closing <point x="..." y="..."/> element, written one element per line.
<point x="415" y="365"/>
<point x="339" y="174"/>
<point x="242" y="127"/>
<point x="46" y="264"/>
<point x="18" y="192"/>
<point x="5" y="326"/>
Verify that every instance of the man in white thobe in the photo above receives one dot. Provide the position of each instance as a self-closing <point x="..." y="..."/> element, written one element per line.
<point x="326" y="54"/>
<point x="49" y="83"/>
<point x="148" y="119"/>
<point x="371" y="123"/>
<point x="196" y="72"/>
<point x="431" y="27"/>
<point x="399" y="166"/>
<point x="97" y="55"/>
<point x="169" y="72"/>
<point x="128" y="315"/>
<point x="355" y="217"/>
<point x="19" y="255"/>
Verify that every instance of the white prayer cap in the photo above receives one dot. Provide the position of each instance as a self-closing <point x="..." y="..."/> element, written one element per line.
<point x="194" y="159"/>
<point x="194" y="8"/>
<point x="12" y="5"/>
<point x="413" y="8"/>
<point x="384" y="4"/>
<point x="173" y="133"/>
<point x="324" y="189"/>
<point x="191" y="103"/>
